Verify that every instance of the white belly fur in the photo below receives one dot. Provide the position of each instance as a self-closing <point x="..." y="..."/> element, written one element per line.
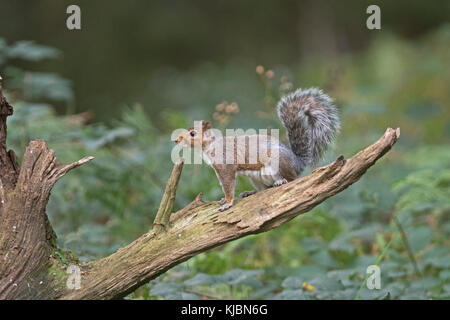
<point x="266" y="175"/>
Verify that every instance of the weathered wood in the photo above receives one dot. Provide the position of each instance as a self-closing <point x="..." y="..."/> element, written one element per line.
<point x="26" y="236"/>
<point x="8" y="160"/>
<point x="27" y="239"/>
<point x="161" y="222"/>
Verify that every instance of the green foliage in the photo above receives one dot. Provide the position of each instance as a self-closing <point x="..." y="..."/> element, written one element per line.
<point x="323" y="254"/>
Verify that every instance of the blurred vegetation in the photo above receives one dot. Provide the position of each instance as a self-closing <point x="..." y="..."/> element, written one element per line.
<point x="135" y="51"/>
<point x="396" y="216"/>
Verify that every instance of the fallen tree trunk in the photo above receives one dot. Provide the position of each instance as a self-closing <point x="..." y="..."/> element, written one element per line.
<point x="30" y="267"/>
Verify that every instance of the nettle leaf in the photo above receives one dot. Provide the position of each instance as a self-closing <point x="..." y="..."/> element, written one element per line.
<point x="108" y="137"/>
<point x="440" y="262"/>
<point x="397" y="274"/>
<point x="29" y="50"/>
<point x="374" y="294"/>
<point x="346" y="294"/>
<point x="419" y="238"/>
<point x="444" y="274"/>
<point x="239" y="276"/>
<point x="312" y="244"/>
<point x="413" y="294"/>
<point x="423" y="190"/>
<point x="48" y="85"/>
<point x="323" y="258"/>
<point x="201" y="279"/>
<point x="326" y="283"/>
<point x="341" y="245"/>
<point x="189" y="296"/>
<point x="436" y="251"/>
<point x="292" y="283"/>
<point x="447" y="288"/>
<point x="173" y="296"/>
<point x="425" y="283"/>
<point x="406" y="218"/>
<point x="446" y="228"/>
<point x="309" y="271"/>
<point x="362" y="262"/>
<point x="264" y="292"/>
<point x="366" y="233"/>
<point x="395" y="289"/>
<point x="292" y="295"/>
<point x="346" y="276"/>
<point x="165" y="289"/>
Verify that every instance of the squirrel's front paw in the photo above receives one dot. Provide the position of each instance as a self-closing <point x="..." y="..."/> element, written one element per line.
<point x="280" y="182"/>
<point x="222" y="201"/>
<point x="225" y="207"/>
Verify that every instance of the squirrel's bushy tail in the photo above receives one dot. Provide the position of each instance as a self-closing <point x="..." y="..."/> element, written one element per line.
<point x="312" y="122"/>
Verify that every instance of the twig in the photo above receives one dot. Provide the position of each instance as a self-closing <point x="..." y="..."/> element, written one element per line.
<point x="162" y="218"/>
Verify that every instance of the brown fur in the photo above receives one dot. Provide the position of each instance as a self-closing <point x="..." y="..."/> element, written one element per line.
<point x="241" y="158"/>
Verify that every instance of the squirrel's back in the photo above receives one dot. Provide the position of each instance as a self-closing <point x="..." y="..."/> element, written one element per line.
<point x="312" y="122"/>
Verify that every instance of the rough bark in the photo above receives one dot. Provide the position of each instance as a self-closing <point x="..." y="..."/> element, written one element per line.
<point x="30" y="268"/>
<point x="27" y="240"/>
<point x="161" y="222"/>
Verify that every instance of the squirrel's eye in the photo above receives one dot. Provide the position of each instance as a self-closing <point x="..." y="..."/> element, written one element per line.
<point x="192" y="133"/>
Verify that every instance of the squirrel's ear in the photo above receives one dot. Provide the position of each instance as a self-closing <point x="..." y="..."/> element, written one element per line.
<point x="206" y="125"/>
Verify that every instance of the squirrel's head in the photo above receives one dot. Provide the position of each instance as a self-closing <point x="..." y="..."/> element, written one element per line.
<point x="197" y="136"/>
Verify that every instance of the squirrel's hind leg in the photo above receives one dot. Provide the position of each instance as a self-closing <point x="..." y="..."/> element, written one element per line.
<point x="227" y="179"/>
<point x="247" y="193"/>
<point x="258" y="185"/>
<point x="280" y="182"/>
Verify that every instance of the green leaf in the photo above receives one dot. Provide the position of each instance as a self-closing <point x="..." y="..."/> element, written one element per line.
<point x="239" y="276"/>
<point x="444" y="274"/>
<point x="440" y="262"/>
<point x="292" y="283"/>
<point x="109" y="136"/>
<point x="447" y="287"/>
<point x="326" y="283"/>
<point x="341" y="245"/>
<point x="312" y="244"/>
<point x="344" y="276"/>
<point x="425" y="283"/>
<point x="165" y="288"/>
<point x="201" y="279"/>
<point x="308" y="271"/>
<point x="374" y="294"/>
<point x="189" y="296"/>
<point x="419" y="238"/>
<point x="292" y="295"/>
<point x="323" y="258"/>
<point x="29" y="50"/>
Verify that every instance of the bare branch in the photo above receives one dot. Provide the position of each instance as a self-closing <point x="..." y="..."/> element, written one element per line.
<point x="165" y="208"/>
<point x="64" y="169"/>
<point x="202" y="226"/>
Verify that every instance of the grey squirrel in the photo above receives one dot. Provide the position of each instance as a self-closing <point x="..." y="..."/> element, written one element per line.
<point x="312" y="122"/>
